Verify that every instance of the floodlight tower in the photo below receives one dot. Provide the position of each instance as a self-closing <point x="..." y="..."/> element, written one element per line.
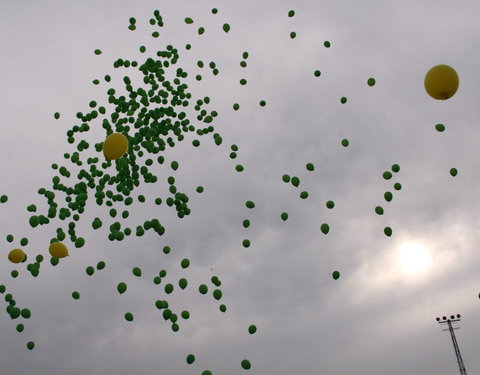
<point x="447" y="321"/>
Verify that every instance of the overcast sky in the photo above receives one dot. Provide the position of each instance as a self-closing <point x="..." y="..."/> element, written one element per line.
<point x="379" y="316"/>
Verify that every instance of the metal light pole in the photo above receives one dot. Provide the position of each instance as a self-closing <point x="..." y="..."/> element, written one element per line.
<point x="450" y="328"/>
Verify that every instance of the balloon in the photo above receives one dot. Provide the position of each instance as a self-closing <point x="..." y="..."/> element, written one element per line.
<point x="58" y="250"/>
<point x="97" y="52"/>
<point x="379" y="210"/>
<point x="388" y="196"/>
<point x="371" y="82"/>
<point x="188" y="20"/>
<point x="222" y="308"/>
<point x="168" y="288"/>
<point x="387" y="175"/>
<point x="335" y="275"/>
<point x="387" y="231"/>
<point x="286" y="178"/>
<point x="250" y="204"/>
<point x="317" y="73"/>
<point x="75" y="295"/>
<point x="284" y="216"/>
<point x="30" y="345"/>
<point x="16" y="256"/>
<point x="310" y="167"/>
<point x="441" y="82"/>
<point x="453" y="172"/>
<point x="440" y="128"/>
<point x="246" y="364"/>
<point x="246" y="243"/>
<point x="252" y="329"/>
<point x="190" y="359"/>
<point x="330" y="204"/>
<point x="293" y="34"/>
<point x="115" y="146"/>
<point x="324" y="228"/>
<point x="226" y="27"/>
<point x="20" y="327"/>
<point x="185" y="314"/>
<point x="397" y="186"/>
<point x="185" y="263"/>
<point x="395" y="168"/>
<point x="327" y="44"/>
<point x="291" y="13"/>
<point x="182" y="283"/>
<point x="295" y="181"/>
<point x="26" y="313"/>
<point x="345" y="142"/>
<point x="343" y="100"/>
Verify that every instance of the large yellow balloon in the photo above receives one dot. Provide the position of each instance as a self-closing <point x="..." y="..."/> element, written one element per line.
<point x="58" y="250"/>
<point x="441" y="82"/>
<point x="16" y="256"/>
<point x="115" y="146"/>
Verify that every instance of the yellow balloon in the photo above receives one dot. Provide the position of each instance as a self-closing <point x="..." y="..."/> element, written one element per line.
<point x="16" y="256"/>
<point x="115" y="146"/>
<point x="441" y="82"/>
<point x="58" y="250"/>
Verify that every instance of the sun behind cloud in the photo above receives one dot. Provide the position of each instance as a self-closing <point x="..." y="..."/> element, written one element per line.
<point x="414" y="258"/>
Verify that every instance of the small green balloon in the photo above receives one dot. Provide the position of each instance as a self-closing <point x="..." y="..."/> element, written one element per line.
<point x="335" y="275"/>
<point x="30" y="345"/>
<point x="388" y="196"/>
<point x="26" y="314"/>
<point x="246" y="364"/>
<point x="222" y="308"/>
<point x="291" y="13"/>
<point x="286" y="178"/>
<point x="284" y="216"/>
<point x="188" y="21"/>
<point x="304" y="195"/>
<point x="343" y="100"/>
<point x="379" y="210"/>
<point x="371" y="82"/>
<point x="295" y="181"/>
<point x="182" y="283"/>
<point x="440" y="128"/>
<point x="345" y="142"/>
<point x="90" y="270"/>
<point x="325" y="228"/>
<point x="397" y="186"/>
<point x="75" y="295"/>
<point x="185" y="263"/>
<point x="293" y="34"/>
<point x="395" y="168"/>
<point x="252" y="329"/>
<point x="168" y="288"/>
<point x="310" y="167"/>
<point x="327" y="44"/>
<point x="246" y="243"/>
<point x="190" y="359"/>
<point x="100" y="265"/>
<point x="330" y="204"/>
<point x="453" y="172"/>
<point x="388" y="231"/>
<point x="226" y="27"/>
<point x="121" y="287"/>
<point x="20" y="327"/>
<point x="317" y="73"/>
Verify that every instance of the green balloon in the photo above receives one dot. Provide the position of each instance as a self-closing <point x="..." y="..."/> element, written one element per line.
<point x="30" y="345"/>
<point x="335" y="275"/>
<point x="310" y="167"/>
<point x="206" y="372"/>
<point x="388" y="196"/>
<point x="246" y="223"/>
<point x="100" y="265"/>
<point x="252" y="329"/>
<point x="216" y="281"/>
<point x="327" y="44"/>
<point x="317" y="73"/>
<point x="395" y="168"/>
<point x="324" y="228"/>
<point x="291" y="13"/>
<point x="453" y="172"/>
<point x="286" y="178"/>
<point x="26" y="314"/>
<point x="440" y="128"/>
<point x="157" y="280"/>
<point x="246" y="243"/>
<point x="246" y="364"/>
<point x="371" y="82"/>
<point x="345" y="142"/>
<point x="190" y="359"/>
<point x="284" y="216"/>
<point x="330" y="204"/>
<point x="226" y="27"/>
<point x="203" y="289"/>
<point x="54" y="261"/>
<point x="304" y="195"/>
<point x="185" y="263"/>
<point x="397" y="186"/>
<point x="137" y="271"/>
<point x="20" y="327"/>
<point x="293" y="34"/>
<point x="121" y="287"/>
<point x="343" y="100"/>
<point x="129" y="316"/>
<point x="188" y="20"/>
<point x="182" y="283"/>
<point x="75" y="295"/>
<point x="222" y="308"/>
<point x="185" y="314"/>
<point x="295" y="181"/>
<point x="239" y="168"/>
<point x="90" y="270"/>
<point x="379" y="210"/>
